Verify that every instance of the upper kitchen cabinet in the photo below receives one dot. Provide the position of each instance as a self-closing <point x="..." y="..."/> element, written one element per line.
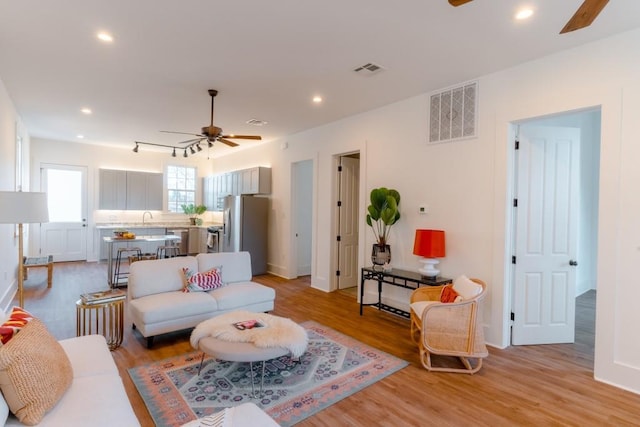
<point x="255" y="181"/>
<point x="130" y="190"/>
<point x="144" y="191"/>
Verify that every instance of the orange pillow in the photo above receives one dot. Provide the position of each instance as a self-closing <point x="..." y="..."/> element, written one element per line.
<point x="448" y="294"/>
<point x="17" y="320"/>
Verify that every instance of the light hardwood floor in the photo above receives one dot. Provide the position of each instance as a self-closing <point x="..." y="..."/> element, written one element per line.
<point x="550" y="385"/>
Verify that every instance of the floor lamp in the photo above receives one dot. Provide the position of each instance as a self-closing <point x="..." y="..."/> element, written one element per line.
<point x="17" y="207"/>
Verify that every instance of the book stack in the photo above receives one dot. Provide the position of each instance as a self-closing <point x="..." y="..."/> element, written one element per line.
<point x="102" y="297"/>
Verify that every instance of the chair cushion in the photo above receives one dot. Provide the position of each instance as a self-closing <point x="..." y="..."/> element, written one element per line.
<point x="35" y="372"/>
<point x="419" y="306"/>
<point x="466" y="287"/>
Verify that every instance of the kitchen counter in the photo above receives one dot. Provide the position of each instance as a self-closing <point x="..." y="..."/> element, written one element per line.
<point x="110" y="226"/>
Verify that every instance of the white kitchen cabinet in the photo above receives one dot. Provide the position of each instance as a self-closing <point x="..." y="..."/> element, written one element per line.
<point x="255" y="181"/>
<point x="130" y="190"/>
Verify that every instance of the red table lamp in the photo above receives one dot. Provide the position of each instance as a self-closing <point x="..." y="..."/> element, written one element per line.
<point x="430" y="245"/>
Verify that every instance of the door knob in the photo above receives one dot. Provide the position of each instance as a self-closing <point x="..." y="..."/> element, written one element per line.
<point x="573" y="262"/>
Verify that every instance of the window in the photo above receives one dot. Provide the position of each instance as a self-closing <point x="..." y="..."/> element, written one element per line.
<point x="181" y="187"/>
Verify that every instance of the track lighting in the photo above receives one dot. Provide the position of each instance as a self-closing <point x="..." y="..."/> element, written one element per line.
<point x="209" y="144"/>
<point x="191" y="147"/>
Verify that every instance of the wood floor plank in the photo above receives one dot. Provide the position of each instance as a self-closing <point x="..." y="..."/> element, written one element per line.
<point x="546" y="385"/>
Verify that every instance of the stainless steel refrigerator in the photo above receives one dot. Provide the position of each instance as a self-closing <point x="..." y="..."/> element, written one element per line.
<point x="245" y="228"/>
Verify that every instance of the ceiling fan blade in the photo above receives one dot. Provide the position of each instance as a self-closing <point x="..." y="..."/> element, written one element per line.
<point x="189" y="141"/>
<point x="226" y="141"/>
<point x="457" y="3"/>
<point x="584" y="16"/>
<point x="183" y="133"/>
<point x="257" y="137"/>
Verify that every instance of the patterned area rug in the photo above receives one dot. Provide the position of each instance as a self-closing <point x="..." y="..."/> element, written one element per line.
<point x="333" y="367"/>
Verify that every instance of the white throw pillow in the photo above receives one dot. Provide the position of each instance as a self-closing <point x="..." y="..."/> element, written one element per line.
<point x="466" y="287"/>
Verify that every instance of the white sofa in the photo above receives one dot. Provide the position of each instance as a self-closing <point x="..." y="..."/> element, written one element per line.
<point x="157" y="304"/>
<point x="96" y="397"/>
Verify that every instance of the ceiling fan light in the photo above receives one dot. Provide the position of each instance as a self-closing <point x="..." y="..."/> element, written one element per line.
<point x="209" y="144"/>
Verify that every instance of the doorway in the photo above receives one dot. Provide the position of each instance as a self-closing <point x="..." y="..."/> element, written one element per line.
<point x="348" y="196"/>
<point x="65" y="235"/>
<point x="302" y="201"/>
<point x="554" y="240"/>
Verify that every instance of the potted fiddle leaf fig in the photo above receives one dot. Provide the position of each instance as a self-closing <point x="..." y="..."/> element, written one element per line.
<point x="382" y="213"/>
<point x="193" y="211"/>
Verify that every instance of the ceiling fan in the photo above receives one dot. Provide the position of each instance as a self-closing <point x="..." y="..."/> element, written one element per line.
<point x="583" y="17"/>
<point x="212" y="133"/>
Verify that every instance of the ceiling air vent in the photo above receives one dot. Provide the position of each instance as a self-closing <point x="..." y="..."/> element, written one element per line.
<point x="368" y="69"/>
<point x="452" y="113"/>
<point x="256" y="122"/>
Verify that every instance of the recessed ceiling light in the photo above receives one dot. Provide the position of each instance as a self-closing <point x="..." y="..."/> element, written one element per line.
<point x="86" y="110"/>
<point x="105" y="37"/>
<point x="317" y="99"/>
<point x="524" y="14"/>
<point x="80" y="136"/>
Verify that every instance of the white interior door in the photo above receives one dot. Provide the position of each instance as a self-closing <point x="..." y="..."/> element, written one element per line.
<point x="348" y="222"/>
<point x="65" y="235"/>
<point x="302" y="189"/>
<point x="546" y="235"/>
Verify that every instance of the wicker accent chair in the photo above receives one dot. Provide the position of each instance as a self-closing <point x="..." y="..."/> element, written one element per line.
<point x="448" y="329"/>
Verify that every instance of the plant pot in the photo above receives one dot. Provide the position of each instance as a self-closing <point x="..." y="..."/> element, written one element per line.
<point x="192" y="221"/>
<point x="380" y="254"/>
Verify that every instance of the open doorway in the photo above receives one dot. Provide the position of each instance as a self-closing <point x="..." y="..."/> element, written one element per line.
<point x="555" y="236"/>
<point x="346" y="220"/>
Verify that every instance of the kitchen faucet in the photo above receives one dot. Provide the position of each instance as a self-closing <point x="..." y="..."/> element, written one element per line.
<point x="143" y="215"/>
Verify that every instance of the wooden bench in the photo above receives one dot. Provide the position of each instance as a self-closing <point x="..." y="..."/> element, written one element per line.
<point x="45" y="261"/>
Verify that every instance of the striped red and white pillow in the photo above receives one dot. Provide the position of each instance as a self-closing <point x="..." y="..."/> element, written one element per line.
<point x="17" y="320"/>
<point x="198" y="282"/>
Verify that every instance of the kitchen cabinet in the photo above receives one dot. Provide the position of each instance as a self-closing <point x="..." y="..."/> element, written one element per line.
<point x="255" y="180"/>
<point x="130" y="190"/>
<point x="113" y="189"/>
<point x="197" y="240"/>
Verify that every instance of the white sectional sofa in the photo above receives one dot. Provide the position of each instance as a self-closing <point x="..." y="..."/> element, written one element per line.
<point x="158" y="305"/>
<point x="96" y="397"/>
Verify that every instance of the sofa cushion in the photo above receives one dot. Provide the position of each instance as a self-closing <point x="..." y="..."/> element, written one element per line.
<point x="16" y="320"/>
<point x="172" y="305"/>
<point x="236" y="266"/>
<point x="158" y="276"/>
<point x="88" y="356"/>
<point x="198" y="282"/>
<point x="236" y="295"/>
<point x="29" y="382"/>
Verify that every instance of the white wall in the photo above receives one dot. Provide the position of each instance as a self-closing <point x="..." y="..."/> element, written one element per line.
<point x="467" y="185"/>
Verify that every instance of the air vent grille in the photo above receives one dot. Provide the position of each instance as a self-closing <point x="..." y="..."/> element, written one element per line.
<point x="256" y="122"/>
<point x="368" y="69"/>
<point x="452" y="113"/>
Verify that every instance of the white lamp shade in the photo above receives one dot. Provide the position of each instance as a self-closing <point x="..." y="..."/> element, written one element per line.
<point x="22" y="207"/>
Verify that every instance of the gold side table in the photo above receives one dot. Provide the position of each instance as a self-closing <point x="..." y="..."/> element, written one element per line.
<point x="102" y="317"/>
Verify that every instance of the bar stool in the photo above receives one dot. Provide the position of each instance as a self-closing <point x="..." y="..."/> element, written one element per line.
<point x="167" y="251"/>
<point x="126" y="251"/>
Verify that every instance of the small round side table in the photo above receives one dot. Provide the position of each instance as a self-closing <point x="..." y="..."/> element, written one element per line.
<point x="102" y="317"/>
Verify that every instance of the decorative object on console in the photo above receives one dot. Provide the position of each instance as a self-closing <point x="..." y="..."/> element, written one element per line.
<point x="193" y="211"/>
<point x="17" y="207"/>
<point x="382" y="213"/>
<point x="430" y="245"/>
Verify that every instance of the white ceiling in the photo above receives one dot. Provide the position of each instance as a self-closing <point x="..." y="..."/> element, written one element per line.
<point x="266" y="59"/>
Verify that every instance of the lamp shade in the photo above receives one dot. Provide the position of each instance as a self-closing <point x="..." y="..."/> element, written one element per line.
<point x="22" y="207"/>
<point x="429" y="243"/>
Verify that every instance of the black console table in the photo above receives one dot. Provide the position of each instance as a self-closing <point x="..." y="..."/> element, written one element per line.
<point x="396" y="277"/>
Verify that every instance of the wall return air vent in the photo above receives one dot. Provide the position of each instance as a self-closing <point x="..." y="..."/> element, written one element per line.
<point x="453" y="113"/>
